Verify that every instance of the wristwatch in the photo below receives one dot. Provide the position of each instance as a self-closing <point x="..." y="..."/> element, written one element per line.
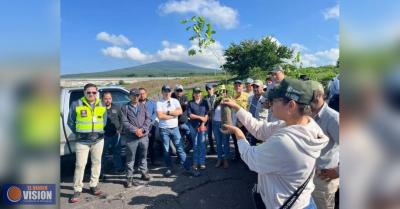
<point x="168" y="112"/>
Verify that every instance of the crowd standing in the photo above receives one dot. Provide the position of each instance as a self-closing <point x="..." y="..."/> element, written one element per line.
<point x="283" y="129"/>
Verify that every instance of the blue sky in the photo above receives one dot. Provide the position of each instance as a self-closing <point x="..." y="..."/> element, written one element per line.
<point x="105" y="35"/>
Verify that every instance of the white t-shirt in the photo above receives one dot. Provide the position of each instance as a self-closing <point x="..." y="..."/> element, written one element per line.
<point x="217" y="114"/>
<point x="168" y="105"/>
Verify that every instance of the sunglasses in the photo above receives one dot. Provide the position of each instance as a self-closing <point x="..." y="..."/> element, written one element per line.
<point x="91" y="92"/>
<point x="179" y="90"/>
<point x="169" y="104"/>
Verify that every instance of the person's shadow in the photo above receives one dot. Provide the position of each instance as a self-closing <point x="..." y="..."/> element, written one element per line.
<point x="216" y="188"/>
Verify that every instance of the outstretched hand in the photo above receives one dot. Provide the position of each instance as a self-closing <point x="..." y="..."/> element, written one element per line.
<point x="230" y="103"/>
<point x="235" y="130"/>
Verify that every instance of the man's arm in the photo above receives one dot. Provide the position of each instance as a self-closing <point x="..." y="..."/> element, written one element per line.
<point x="147" y="121"/>
<point x="164" y="116"/>
<point x="176" y="112"/>
<point x="72" y="117"/>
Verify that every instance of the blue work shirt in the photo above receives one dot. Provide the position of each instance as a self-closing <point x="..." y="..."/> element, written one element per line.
<point x="200" y="109"/>
<point x="151" y="108"/>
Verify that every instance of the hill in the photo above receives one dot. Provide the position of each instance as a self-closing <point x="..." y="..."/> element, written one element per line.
<point x="155" y="69"/>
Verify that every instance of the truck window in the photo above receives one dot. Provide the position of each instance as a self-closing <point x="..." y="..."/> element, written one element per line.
<point x="75" y="95"/>
<point x="119" y="97"/>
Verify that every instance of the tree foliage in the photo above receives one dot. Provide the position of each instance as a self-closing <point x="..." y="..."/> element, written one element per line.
<point x="202" y="33"/>
<point x="251" y="54"/>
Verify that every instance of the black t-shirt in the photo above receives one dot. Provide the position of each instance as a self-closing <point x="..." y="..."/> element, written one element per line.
<point x="113" y="120"/>
<point x="183" y="101"/>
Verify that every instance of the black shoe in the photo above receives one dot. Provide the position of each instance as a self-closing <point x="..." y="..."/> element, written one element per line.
<point x="75" y="197"/>
<point x="129" y="182"/>
<point x="95" y="191"/>
<point x="193" y="172"/>
<point x="146" y="176"/>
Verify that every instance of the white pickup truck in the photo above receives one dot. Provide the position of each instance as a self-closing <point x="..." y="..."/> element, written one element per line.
<point x="68" y="95"/>
<point x="120" y="96"/>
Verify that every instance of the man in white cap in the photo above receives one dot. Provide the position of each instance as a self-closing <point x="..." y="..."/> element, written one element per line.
<point x="326" y="179"/>
<point x="277" y="74"/>
<point x="249" y="86"/>
<point x="255" y="106"/>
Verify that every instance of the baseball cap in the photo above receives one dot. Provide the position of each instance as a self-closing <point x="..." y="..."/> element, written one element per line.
<point x="238" y="81"/>
<point x="258" y="83"/>
<point x="293" y="89"/>
<point x="196" y="89"/>
<point x="249" y="80"/>
<point x="209" y="86"/>
<point x="315" y="85"/>
<point x="277" y="68"/>
<point x="165" y="87"/>
<point x="178" y="87"/>
<point x="134" y="92"/>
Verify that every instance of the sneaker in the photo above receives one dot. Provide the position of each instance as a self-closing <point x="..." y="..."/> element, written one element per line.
<point x="195" y="166"/>
<point x="202" y="167"/>
<point x="219" y="163"/>
<point x="146" y="176"/>
<point x="95" y="191"/>
<point x="168" y="173"/>
<point x="75" y="197"/>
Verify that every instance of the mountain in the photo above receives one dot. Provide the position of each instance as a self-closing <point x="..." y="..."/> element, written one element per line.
<point x="154" y="69"/>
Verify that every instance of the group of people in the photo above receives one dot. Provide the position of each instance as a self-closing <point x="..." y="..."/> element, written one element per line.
<point x="282" y="129"/>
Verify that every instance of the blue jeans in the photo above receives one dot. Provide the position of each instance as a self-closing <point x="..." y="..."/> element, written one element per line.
<point x="222" y="139"/>
<point x="184" y="127"/>
<point x="173" y="134"/>
<point x="115" y="143"/>
<point x="199" y="146"/>
<point x="312" y="205"/>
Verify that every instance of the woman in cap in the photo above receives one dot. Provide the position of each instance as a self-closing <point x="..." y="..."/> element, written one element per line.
<point x="198" y="114"/>
<point x="222" y="139"/>
<point x="285" y="160"/>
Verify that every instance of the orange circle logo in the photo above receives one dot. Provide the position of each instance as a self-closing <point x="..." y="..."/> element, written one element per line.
<point x="14" y="194"/>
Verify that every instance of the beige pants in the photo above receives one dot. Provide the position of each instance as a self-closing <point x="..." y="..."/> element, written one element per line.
<point x="82" y="153"/>
<point x="324" y="193"/>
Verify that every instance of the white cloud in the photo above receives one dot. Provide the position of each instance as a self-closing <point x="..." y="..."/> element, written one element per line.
<point x="332" y="13"/>
<point x="223" y="16"/>
<point x="114" y="51"/>
<point x="135" y="54"/>
<point x="320" y="58"/>
<point x="298" y="47"/>
<point x="118" y="40"/>
<point x="212" y="57"/>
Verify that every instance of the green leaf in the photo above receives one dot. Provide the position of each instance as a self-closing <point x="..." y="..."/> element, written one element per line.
<point x="188" y="28"/>
<point x="192" y="38"/>
<point x="201" y="19"/>
<point x="184" y="21"/>
<point x="192" y="52"/>
<point x="193" y="19"/>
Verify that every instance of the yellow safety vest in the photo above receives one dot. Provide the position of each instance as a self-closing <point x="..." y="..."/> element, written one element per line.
<point x="89" y="120"/>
